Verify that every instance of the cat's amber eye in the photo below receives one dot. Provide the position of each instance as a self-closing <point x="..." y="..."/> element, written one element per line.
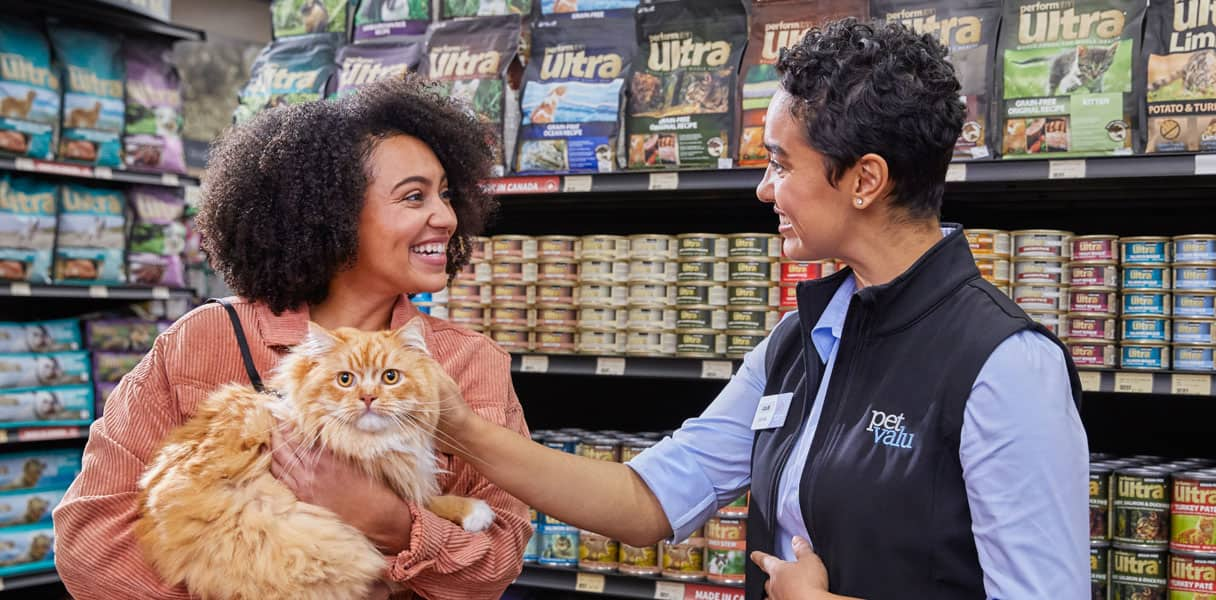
<point x="391" y="376"/>
<point x="346" y="379"/>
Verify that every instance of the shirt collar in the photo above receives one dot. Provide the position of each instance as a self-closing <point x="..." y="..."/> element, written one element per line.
<point x="826" y="331"/>
<point x="290" y="328"/>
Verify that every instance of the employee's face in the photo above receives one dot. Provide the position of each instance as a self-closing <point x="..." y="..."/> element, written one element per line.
<point x="814" y="216"/>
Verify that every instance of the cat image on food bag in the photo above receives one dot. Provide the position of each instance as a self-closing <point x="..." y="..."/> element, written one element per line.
<point x="213" y="517"/>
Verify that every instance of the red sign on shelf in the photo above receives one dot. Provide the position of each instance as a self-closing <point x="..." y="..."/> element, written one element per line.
<point x="48" y="433"/>
<point x="57" y="168"/>
<point x="706" y="592"/>
<point x="525" y="185"/>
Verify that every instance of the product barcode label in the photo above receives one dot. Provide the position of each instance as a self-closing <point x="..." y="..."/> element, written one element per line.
<point x="576" y="183"/>
<point x="1191" y="385"/>
<point x="956" y="172"/>
<point x="716" y="369"/>
<point x="1066" y="169"/>
<point x="609" y="366"/>
<point x="589" y="582"/>
<point x="534" y="364"/>
<point x="1091" y="381"/>
<point x="1134" y="383"/>
<point x="668" y="590"/>
<point x="664" y="181"/>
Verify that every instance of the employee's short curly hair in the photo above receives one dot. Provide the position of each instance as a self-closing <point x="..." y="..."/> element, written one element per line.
<point x="862" y="88"/>
<point x="283" y="191"/>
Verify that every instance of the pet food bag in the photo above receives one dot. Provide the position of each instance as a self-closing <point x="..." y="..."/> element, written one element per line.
<point x="45" y="406"/>
<point x="452" y="9"/>
<point x="968" y="28"/>
<point x="469" y="57"/>
<point x="361" y="65"/>
<point x="301" y="17"/>
<point x="41" y="370"/>
<point x="29" y="90"/>
<point x="43" y="469"/>
<point x="682" y="91"/>
<point x="40" y="336"/>
<point x="92" y="236"/>
<point x="550" y="7"/>
<point x="776" y="26"/>
<point x="1067" y="85"/>
<point x="26" y="508"/>
<point x="110" y="367"/>
<point x="27" y="548"/>
<point x="571" y="104"/>
<point x="27" y="228"/>
<point x="154" y="108"/>
<point x="379" y="21"/>
<point x="93" y="108"/>
<point x="123" y="335"/>
<point x="289" y="71"/>
<point x="158" y="236"/>
<point x="1180" y="50"/>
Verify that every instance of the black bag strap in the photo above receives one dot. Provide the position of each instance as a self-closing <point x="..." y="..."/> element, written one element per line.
<point x="241" y="342"/>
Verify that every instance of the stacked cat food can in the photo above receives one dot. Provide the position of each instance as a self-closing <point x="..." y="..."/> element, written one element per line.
<point x="701" y="278"/>
<point x="1152" y="527"/>
<point x="752" y="290"/>
<point x="1091" y="325"/>
<point x="651" y="295"/>
<point x="559" y="542"/>
<point x="726" y="543"/>
<point x="603" y="294"/>
<point x="992" y="249"/>
<point x="1194" y="303"/>
<point x="638" y="560"/>
<point x="555" y="312"/>
<point x="597" y="552"/>
<point x="513" y="268"/>
<point x="1145" y="282"/>
<point x="469" y="294"/>
<point x="1040" y="276"/>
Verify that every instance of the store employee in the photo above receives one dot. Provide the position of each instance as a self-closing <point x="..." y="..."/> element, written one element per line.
<point x="909" y="420"/>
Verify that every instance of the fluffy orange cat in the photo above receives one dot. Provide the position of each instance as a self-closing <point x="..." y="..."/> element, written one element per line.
<point x="214" y="518"/>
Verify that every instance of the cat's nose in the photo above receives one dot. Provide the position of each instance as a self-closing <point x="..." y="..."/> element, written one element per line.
<point x="367" y="400"/>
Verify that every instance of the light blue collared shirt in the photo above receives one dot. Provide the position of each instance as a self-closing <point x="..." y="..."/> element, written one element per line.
<point x="1023" y="450"/>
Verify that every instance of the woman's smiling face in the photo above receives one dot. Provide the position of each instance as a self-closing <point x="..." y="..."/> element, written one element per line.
<point x="406" y="221"/>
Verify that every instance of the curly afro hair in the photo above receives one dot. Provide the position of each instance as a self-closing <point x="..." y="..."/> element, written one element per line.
<point x="283" y="191"/>
<point x="878" y="88"/>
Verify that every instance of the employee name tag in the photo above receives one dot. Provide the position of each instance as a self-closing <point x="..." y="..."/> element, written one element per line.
<point x="772" y="411"/>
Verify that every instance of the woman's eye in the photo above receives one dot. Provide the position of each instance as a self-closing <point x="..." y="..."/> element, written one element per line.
<point x="415" y="197"/>
<point x="446" y="196"/>
<point x="391" y="376"/>
<point x="346" y="379"/>
<point x="776" y="167"/>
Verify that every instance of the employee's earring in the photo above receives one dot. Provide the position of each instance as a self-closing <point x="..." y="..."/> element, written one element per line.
<point x="860" y="202"/>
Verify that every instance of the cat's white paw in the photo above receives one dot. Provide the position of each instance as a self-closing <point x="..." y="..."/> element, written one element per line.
<point x="480" y="518"/>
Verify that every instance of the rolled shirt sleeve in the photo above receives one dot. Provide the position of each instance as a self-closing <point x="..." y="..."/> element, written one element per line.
<point x="1025" y="462"/>
<point x="707" y="462"/>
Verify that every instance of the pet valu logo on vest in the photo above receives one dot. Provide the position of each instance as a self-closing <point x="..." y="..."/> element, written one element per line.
<point x="889" y="430"/>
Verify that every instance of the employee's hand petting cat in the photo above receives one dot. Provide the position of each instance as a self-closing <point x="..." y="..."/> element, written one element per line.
<point x="234" y="507"/>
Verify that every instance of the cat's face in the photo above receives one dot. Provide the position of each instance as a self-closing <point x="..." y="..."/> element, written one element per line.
<point x="1094" y="61"/>
<point x="46" y="404"/>
<point x="358" y="391"/>
<point x="48" y="369"/>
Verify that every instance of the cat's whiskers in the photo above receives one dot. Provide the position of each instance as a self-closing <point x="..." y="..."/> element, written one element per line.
<point x="450" y="441"/>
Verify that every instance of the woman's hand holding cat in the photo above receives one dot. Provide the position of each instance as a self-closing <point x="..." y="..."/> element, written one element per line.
<point x="318" y="477"/>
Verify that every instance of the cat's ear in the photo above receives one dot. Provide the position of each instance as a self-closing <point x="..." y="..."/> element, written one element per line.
<point x="412" y="334"/>
<point x="1080" y="51"/>
<point x="318" y="342"/>
<point x="1114" y="47"/>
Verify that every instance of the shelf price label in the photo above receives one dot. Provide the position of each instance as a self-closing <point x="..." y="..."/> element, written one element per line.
<point x="534" y="364"/>
<point x="103" y="173"/>
<point x="3" y="436"/>
<point x="1066" y="169"/>
<point x="24" y="164"/>
<point x="576" y="183"/>
<point x="1191" y="385"/>
<point x="1134" y="383"/>
<point x="160" y="292"/>
<point x="1091" y="381"/>
<point x="664" y="181"/>
<point x="589" y="582"/>
<point x="716" y="369"/>
<point x="20" y="288"/>
<point x="609" y="366"/>
<point x="99" y="291"/>
<point x="170" y="179"/>
<point x="668" y="590"/>
<point x="1205" y="164"/>
<point x="956" y="172"/>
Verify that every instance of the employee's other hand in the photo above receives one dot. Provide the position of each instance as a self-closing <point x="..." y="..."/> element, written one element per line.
<point x="804" y="579"/>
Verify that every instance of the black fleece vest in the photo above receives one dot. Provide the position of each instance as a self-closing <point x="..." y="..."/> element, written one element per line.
<point x="882" y="492"/>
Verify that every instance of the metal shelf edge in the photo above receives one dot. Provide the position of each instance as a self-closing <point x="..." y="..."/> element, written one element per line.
<point x="620" y="585"/>
<point x="53" y="168"/>
<point x="20" y="289"/>
<point x="28" y="580"/>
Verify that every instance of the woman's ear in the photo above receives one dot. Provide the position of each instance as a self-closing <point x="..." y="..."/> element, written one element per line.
<point x="871" y="180"/>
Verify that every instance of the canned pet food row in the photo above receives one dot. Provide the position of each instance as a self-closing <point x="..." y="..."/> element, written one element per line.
<point x="634" y="247"/>
<point x="1056" y="244"/>
<point x="1152" y="527"/>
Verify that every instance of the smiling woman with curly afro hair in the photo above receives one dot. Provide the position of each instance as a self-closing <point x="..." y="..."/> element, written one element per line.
<point x="323" y="218"/>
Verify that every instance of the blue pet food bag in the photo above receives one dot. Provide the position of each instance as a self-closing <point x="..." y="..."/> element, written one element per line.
<point x="93" y="105"/>
<point x="29" y="90"/>
<point x="92" y="236"/>
<point x="27" y="228"/>
<point x="40" y="336"/>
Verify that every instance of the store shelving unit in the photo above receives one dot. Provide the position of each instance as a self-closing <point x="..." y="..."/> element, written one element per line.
<point x="622" y="586"/>
<point x="52" y="168"/>
<point x="113" y="14"/>
<point x="26" y="581"/>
